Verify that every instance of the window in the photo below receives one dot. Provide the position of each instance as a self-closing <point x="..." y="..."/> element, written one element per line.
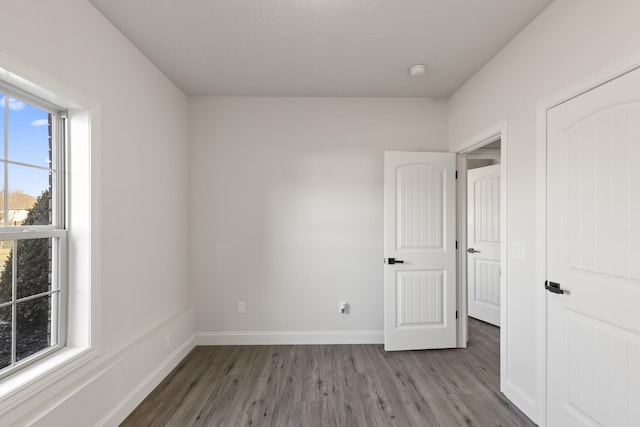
<point x="32" y="229"/>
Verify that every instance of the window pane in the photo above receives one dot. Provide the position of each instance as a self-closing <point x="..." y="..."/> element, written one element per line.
<point x="33" y="326"/>
<point x="2" y="224"/>
<point x="33" y="267"/>
<point x="2" y="118"/>
<point x="29" y="130"/>
<point x="6" y="288"/>
<point x="5" y="336"/>
<point x="29" y="196"/>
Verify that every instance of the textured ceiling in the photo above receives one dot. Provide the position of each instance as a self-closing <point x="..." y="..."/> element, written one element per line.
<point x="319" y="47"/>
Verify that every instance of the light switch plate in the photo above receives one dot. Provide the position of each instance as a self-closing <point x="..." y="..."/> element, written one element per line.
<point x="517" y="250"/>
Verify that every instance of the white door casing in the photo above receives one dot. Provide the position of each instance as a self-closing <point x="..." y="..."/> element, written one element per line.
<point x="593" y="230"/>
<point x="483" y="241"/>
<point x="419" y="219"/>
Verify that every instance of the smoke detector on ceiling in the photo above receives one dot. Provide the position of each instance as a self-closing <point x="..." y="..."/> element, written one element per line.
<point x="417" y="70"/>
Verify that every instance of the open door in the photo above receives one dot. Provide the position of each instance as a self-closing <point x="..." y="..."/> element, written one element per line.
<point x="483" y="241"/>
<point x="420" y="251"/>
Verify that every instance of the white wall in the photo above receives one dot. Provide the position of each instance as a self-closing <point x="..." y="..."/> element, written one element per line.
<point x="143" y="198"/>
<point x="287" y="211"/>
<point x="286" y="193"/>
<point x="569" y="40"/>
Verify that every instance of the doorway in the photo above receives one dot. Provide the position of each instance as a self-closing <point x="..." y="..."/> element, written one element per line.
<point x="485" y="149"/>
<point x="483" y="233"/>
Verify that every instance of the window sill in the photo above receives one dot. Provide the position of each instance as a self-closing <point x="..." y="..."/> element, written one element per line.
<point x="24" y="384"/>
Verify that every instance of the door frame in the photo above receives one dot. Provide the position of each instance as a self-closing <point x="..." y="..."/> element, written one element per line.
<point x="492" y="134"/>
<point x="598" y="78"/>
<point x="495" y="133"/>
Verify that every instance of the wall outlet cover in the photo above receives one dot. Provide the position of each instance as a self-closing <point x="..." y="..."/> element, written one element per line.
<point x="242" y="307"/>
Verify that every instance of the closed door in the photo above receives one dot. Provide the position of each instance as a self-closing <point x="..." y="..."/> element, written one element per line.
<point x="483" y="241"/>
<point x="420" y="282"/>
<point x="593" y="257"/>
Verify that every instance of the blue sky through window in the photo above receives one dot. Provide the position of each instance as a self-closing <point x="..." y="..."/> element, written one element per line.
<point x="27" y="142"/>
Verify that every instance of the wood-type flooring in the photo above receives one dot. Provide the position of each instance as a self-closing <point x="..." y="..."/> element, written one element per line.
<point x="334" y="385"/>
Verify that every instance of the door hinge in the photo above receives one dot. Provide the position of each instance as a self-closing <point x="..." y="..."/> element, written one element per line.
<point x="456" y="245"/>
<point x="456" y="174"/>
<point x="456" y="314"/>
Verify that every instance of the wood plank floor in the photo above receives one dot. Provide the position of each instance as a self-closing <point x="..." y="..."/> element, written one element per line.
<point x="334" y="385"/>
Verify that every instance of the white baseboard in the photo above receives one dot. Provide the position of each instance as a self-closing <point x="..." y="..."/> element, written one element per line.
<point x="289" y="337"/>
<point x="116" y="415"/>
<point x="525" y="403"/>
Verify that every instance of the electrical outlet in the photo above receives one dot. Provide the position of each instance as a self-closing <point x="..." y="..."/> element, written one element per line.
<point x="167" y="342"/>
<point x="343" y="307"/>
<point x="242" y="307"/>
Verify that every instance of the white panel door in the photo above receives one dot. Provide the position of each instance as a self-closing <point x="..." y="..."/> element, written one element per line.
<point x="420" y="263"/>
<point x="593" y="255"/>
<point x="483" y="240"/>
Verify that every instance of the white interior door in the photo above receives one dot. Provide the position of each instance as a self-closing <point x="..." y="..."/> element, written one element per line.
<point x="593" y="255"/>
<point x="420" y="283"/>
<point x="483" y="241"/>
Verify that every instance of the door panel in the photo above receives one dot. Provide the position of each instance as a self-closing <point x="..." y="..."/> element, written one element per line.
<point x="483" y="239"/>
<point x="487" y="283"/>
<point x="593" y="214"/>
<point x="420" y="293"/>
<point x="419" y="299"/>
<point x="420" y="200"/>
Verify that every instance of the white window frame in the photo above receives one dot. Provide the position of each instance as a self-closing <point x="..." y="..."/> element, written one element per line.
<point x="41" y="383"/>
<point x="55" y="231"/>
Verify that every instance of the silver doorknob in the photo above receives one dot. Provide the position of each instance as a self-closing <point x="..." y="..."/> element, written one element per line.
<point x="472" y="251"/>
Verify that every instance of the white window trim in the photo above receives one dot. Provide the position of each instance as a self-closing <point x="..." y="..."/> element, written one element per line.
<point x="55" y="230"/>
<point x="34" y="385"/>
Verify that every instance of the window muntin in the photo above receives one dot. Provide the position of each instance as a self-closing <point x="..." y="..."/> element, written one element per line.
<point x="32" y="235"/>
